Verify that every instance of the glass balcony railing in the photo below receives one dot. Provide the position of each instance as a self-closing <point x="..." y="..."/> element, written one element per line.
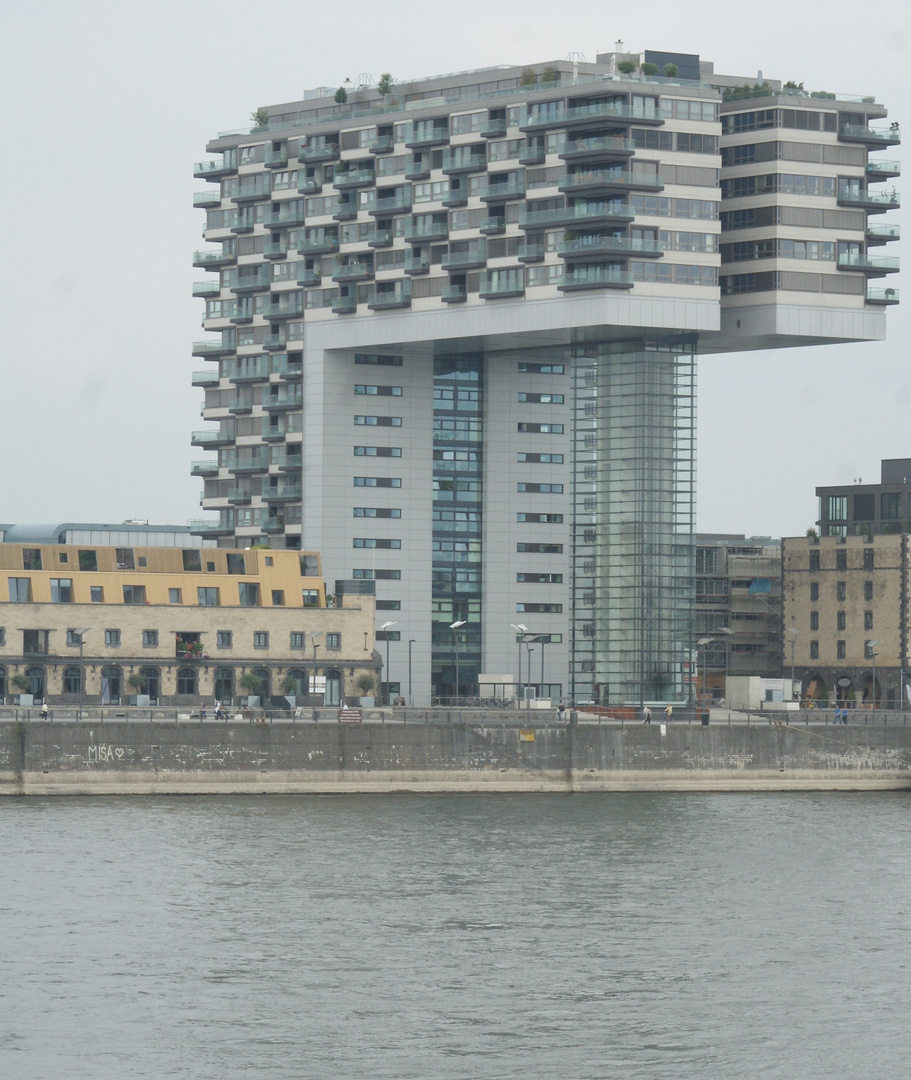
<point x="474" y="255"/>
<point x="609" y="211"/>
<point x="205" y="199"/>
<point x="597" y="146"/>
<point x="872" y="200"/>
<point x="353" y="271"/>
<point x="454" y="294"/>
<point x="882" y="296"/>
<point x="397" y="296"/>
<point x="204" y="468"/>
<point x="206" y="260"/>
<point x="347" y="178"/>
<point x="318" y="244"/>
<point x="596" y="245"/>
<point x="344" y="305"/>
<point x="379" y="238"/>
<point x="883" y="168"/>
<point x="318" y="152"/>
<point x="464" y="159"/>
<point x="205" y="378"/>
<point x="611" y="178"/>
<point x="496" y="286"/>
<point x="213" y="170"/>
<point x="859" y="261"/>
<point x="890" y="136"/>
<point x="882" y="234"/>
<point x="206" y="288"/>
<point x="211" y="438"/>
<point x="595" y="277"/>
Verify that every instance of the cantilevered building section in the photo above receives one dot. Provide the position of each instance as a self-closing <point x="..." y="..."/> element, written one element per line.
<point x="454" y="333"/>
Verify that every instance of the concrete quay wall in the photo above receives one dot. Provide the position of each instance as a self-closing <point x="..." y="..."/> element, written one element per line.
<point x="153" y="758"/>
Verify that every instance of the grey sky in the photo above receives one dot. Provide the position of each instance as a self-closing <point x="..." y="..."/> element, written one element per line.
<point x="107" y="106"/>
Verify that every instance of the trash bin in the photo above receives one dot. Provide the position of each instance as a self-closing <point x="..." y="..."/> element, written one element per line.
<point x="705" y="717"/>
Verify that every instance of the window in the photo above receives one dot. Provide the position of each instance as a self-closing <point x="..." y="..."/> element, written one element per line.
<point x="868" y="620"/>
<point x="112" y="638"/>
<point x="868" y="651"/>
<point x="541" y="579"/>
<point x="550" y="609"/>
<point x="540" y="429"/>
<point x="378" y="451"/>
<point x="384" y="361"/>
<point x="543" y="489"/>
<point x="841" y="560"/>
<point x="814" y="560"/>
<point x="369" y="542"/>
<point x="2" y="635"/>
<point x="841" y="620"/>
<point x="72" y="638"/>
<point x="541" y="519"/>
<point x="389" y="605"/>
<point x="261" y="639"/>
<point x="236" y="563"/>
<point x="541" y="369"/>
<point x="31" y="558"/>
<point x="540" y="459"/>
<point x="298" y="640"/>
<point x="310" y="597"/>
<point x="541" y="549"/>
<point x="890" y="505"/>
<point x="389" y="635"/>
<point x="814" y="591"/>
<point x="868" y="590"/>
<point x="864" y="507"/>
<point x="841" y="591"/>
<point x="71" y="680"/>
<point x="378" y="391"/>
<point x="124" y="558"/>
<point x="210" y="567"/>
<point x="61" y="590"/>
<point x="840" y="650"/>
<point x="539" y="399"/>
<point x="134" y="594"/>
<point x="150" y="639"/>
<point x="207" y="597"/>
<point x="174" y="596"/>
<point x="378" y="481"/>
<point x="814" y="620"/>
<point x="333" y="641"/>
<point x="88" y="560"/>
<point x="814" y="650"/>
<point x="375" y="512"/>
<point x="278" y="598"/>
<point x="224" y="639"/>
<point x="20" y="590"/>
<point x="378" y="421"/>
<point x="96" y="594"/>
<point x="248" y="593"/>
<point x="868" y="558"/>
<point x="35" y="642"/>
<point x="186" y="680"/>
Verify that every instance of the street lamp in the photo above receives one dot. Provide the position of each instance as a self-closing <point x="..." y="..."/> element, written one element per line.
<point x="703" y="641"/>
<point x="871" y="645"/>
<point x="794" y="632"/>
<point x="410" y="695"/>
<point x="521" y="631"/>
<point x="385" y="628"/>
<point x="528" y="639"/>
<point x="311" y="687"/>
<point x="455" y="637"/>
<point x="80" y="633"/>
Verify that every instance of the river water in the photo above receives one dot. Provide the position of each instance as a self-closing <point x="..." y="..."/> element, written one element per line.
<point x="674" y="936"/>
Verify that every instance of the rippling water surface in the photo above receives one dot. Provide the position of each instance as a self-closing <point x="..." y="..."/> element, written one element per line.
<point x="652" y="935"/>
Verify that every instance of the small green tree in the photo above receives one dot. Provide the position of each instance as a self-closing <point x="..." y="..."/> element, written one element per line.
<point x="365" y="683"/>
<point x="21" y="682"/>
<point x="260" y="118"/>
<point x="341" y="95"/>
<point x="250" y="682"/>
<point x="384" y="86"/>
<point x="288" y="685"/>
<point x="135" y="682"/>
<point x="812" y="533"/>
<point x="626" y="67"/>
<point x="649" y="69"/>
<point x="670" y="71"/>
<point x="549" y="75"/>
<point x="528" y="77"/>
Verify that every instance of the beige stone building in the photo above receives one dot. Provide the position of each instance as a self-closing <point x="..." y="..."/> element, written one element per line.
<point x="845" y="612"/>
<point x="173" y="626"/>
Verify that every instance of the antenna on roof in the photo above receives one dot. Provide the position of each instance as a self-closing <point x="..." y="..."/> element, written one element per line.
<point x="365" y="79"/>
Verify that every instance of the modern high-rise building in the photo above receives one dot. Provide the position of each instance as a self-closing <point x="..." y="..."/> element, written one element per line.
<point x="454" y="331"/>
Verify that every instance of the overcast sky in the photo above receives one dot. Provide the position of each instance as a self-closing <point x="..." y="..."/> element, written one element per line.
<point x="109" y="104"/>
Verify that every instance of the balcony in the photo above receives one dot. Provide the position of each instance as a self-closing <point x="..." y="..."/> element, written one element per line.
<point x="318" y="152"/>
<point x="214" y="170"/>
<point x="607" y="213"/>
<point x="250" y="278"/>
<point x="454" y="294"/>
<point x="464" y="159"/>
<point x="345" y="208"/>
<point x="203" y="289"/>
<point x="597" y="147"/>
<point x="276" y="157"/>
<point x="495" y="128"/>
<point x="882" y="170"/>
<point x="276" y="249"/>
<point x="577" y="247"/>
<point x="498" y="286"/>
<point x="417" y="265"/>
<point x="212" y="350"/>
<point x="318" y="244"/>
<point x="239" y="496"/>
<point x="222" y="527"/>
<point x="606" y="276"/>
<point x="308" y="185"/>
<point x="422" y="231"/>
<point x="286" y="461"/>
<point x="211" y="438"/>
<point x="882" y="297"/>
<point x="287" y="368"/>
<point x="247" y="369"/>
<point x="309" y="275"/>
<point x="273" y="525"/>
<point x="241" y="404"/>
<point x="244" y="221"/>
<point x="243" y="311"/>
<point x="873" y="267"/>
<point x="379" y="238"/>
<point x="611" y="179"/>
<point x="382" y="299"/>
<point x="204" y="200"/>
<point x="213" y="260"/>
<point x="396" y="201"/>
<point x="512" y="188"/>
<point x="882" y="234"/>
<point x="345" y="305"/>
<point x="353" y="271"/>
<point x="381" y="144"/>
<point x="876" y="202"/>
<point x="469" y="257"/>
<point x="289" y="397"/>
<point x="426" y="133"/>
<point x="346" y="177"/>
<point x="290" y="306"/>
<point x="531" y="250"/>
<point x="283" y="493"/>
<point x="417" y="167"/>
<point x="251" y="460"/>
<point x="288" y="216"/>
<point x="493" y="226"/>
<point x="205" y="378"/>
<point x="872" y="137"/>
<point x="457" y="195"/>
<point x="204" y="468"/>
<point x="248" y="188"/>
<point x="532" y="154"/>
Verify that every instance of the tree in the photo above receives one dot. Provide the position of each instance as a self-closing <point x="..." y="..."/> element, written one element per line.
<point x="649" y="69"/>
<point x="21" y="682"/>
<point x="136" y="682"/>
<point x="528" y="77"/>
<point x="250" y="682"/>
<point x="384" y="86"/>
<point x="366" y="683"/>
<point x="288" y="685"/>
<point x="260" y="118"/>
<point x="341" y="95"/>
<point x="670" y="71"/>
<point x="626" y="67"/>
<point x="549" y="75"/>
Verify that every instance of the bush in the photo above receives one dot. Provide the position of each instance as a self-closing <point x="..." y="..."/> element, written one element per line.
<point x="21" y="682"/>
<point x="528" y="77"/>
<point x="626" y="67"/>
<point x="385" y="83"/>
<point x="365" y="683"/>
<point x="670" y="71"/>
<point x="260" y="118"/>
<point x="649" y="69"/>
<point x="250" y="682"/>
<point x="341" y="95"/>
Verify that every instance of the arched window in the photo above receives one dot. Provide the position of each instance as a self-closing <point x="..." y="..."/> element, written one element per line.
<point x="265" y="683"/>
<point x="186" y="680"/>
<point x="151" y="677"/>
<point x="300" y="680"/>
<point x="111" y="685"/>
<point x="71" y="680"/>
<point x="333" y="687"/>
<point x="224" y="684"/>
<point x="2" y="681"/>
<point x="35" y="677"/>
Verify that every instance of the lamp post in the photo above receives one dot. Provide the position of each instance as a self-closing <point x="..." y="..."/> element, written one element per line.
<point x="794" y="632"/>
<point x="80" y="633"/>
<point x="521" y="631"/>
<point x="871" y="645"/>
<point x="311" y="688"/>
<point x="385" y="629"/>
<point x="528" y="639"/>
<point x="703" y="642"/>
<point x="455" y="637"/>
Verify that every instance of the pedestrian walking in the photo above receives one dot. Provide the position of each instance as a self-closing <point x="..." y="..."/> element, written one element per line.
<point x="202" y="711"/>
<point x="44" y="710"/>
<point x="561" y="709"/>
<point x="646" y="715"/>
<point x="669" y="712"/>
